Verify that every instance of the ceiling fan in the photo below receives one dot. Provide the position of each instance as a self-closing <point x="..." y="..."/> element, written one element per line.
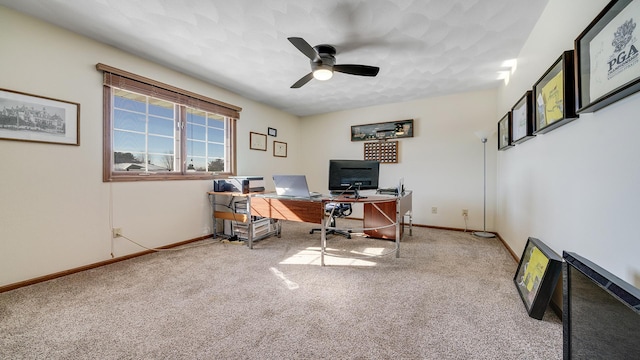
<point x="323" y="63"/>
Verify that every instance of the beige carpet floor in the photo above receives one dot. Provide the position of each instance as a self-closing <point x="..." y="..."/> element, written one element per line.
<point x="449" y="296"/>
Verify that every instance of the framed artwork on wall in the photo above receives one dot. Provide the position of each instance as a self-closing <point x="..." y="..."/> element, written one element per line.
<point x="504" y="132"/>
<point x="607" y="56"/>
<point x="272" y="132"/>
<point x="257" y="141"/>
<point x="382" y="131"/>
<point x="522" y="119"/>
<point x="536" y="276"/>
<point x="279" y="149"/>
<point x="554" y="95"/>
<point x="27" y="117"/>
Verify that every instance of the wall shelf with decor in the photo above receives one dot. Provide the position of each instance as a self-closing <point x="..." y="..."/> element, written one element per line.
<point x="382" y="131"/>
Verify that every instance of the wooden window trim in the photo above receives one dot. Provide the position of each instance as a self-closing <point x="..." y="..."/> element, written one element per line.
<point x="136" y="83"/>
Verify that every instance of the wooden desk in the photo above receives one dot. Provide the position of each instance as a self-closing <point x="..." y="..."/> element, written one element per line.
<point x="302" y="210"/>
<point x="383" y="214"/>
<point x="380" y="216"/>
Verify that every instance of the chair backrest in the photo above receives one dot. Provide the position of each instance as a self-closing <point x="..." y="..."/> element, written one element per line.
<point x="338" y="209"/>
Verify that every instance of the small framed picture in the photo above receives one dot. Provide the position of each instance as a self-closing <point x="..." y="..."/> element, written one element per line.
<point x="536" y="276"/>
<point x="522" y="119"/>
<point x="504" y="132"/>
<point x="279" y="149"/>
<point x="272" y="132"/>
<point x="257" y="141"/>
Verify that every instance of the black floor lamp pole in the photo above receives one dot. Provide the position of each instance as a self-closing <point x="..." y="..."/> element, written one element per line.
<point x="484" y="232"/>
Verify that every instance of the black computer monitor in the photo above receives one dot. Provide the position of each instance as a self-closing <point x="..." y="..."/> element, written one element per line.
<point x="350" y="176"/>
<point x="601" y="312"/>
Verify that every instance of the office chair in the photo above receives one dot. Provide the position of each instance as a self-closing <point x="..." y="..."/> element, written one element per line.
<point x="336" y="210"/>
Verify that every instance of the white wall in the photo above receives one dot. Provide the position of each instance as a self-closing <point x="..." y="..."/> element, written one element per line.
<point x="55" y="212"/>
<point x="577" y="188"/>
<point x="442" y="163"/>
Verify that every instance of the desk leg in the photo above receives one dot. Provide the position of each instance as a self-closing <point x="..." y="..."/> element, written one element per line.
<point x="323" y="241"/>
<point x="249" y="224"/>
<point x="398" y="228"/>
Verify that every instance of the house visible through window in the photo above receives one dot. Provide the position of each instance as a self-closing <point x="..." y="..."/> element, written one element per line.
<point x="164" y="133"/>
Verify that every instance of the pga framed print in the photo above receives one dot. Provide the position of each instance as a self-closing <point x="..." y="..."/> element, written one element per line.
<point x="607" y="51"/>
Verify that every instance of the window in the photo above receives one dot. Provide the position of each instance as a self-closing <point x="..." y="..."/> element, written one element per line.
<point x="157" y="132"/>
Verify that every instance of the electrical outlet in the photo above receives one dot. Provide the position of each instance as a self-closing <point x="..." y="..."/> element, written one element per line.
<point x="465" y="212"/>
<point x="116" y="232"/>
<point x="434" y="210"/>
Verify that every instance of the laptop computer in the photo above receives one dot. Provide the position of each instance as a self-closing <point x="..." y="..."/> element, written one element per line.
<point x="293" y="185"/>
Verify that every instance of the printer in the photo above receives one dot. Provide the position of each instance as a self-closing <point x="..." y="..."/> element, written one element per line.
<point x="241" y="184"/>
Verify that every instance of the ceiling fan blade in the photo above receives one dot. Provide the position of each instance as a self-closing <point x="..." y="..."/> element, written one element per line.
<point x="305" y="79"/>
<point x="304" y="47"/>
<point x="362" y="70"/>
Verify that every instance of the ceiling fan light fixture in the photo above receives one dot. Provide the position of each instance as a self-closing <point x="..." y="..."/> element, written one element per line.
<point x="322" y="74"/>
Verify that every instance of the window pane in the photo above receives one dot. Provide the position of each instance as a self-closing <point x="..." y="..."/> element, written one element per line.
<point x="196" y="148"/>
<point x="216" y="164"/>
<point x="196" y="116"/>
<point x="196" y="164"/>
<point x="127" y="120"/>
<point x="162" y="145"/>
<point x="161" y="162"/>
<point x="215" y="135"/>
<point x="216" y="151"/>
<point x="160" y="126"/>
<point x="129" y="101"/>
<point x="124" y="141"/>
<point x="161" y="108"/>
<point x="123" y="159"/>
<point x="196" y="132"/>
<point x="215" y="121"/>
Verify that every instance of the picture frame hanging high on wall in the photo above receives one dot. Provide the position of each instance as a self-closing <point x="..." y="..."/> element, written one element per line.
<point x="607" y="54"/>
<point x="28" y="117"/>
<point x="279" y="149"/>
<point x="522" y="119"/>
<point x="554" y="95"/>
<point x="382" y="131"/>
<point x="257" y="141"/>
<point x="504" y="132"/>
<point x="536" y="277"/>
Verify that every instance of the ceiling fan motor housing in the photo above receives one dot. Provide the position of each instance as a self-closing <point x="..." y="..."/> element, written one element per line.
<point x="327" y="57"/>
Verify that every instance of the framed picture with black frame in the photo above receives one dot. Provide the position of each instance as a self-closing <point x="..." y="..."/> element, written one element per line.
<point x="504" y="132"/>
<point x="522" y="119"/>
<point x="555" y="95"/>
<point x="607" y="65"/>
<point x="382" y="131"/>
<point x="536" y="277"/>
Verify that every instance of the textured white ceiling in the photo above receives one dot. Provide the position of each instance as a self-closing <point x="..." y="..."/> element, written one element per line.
<point x="424" y="48"/>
